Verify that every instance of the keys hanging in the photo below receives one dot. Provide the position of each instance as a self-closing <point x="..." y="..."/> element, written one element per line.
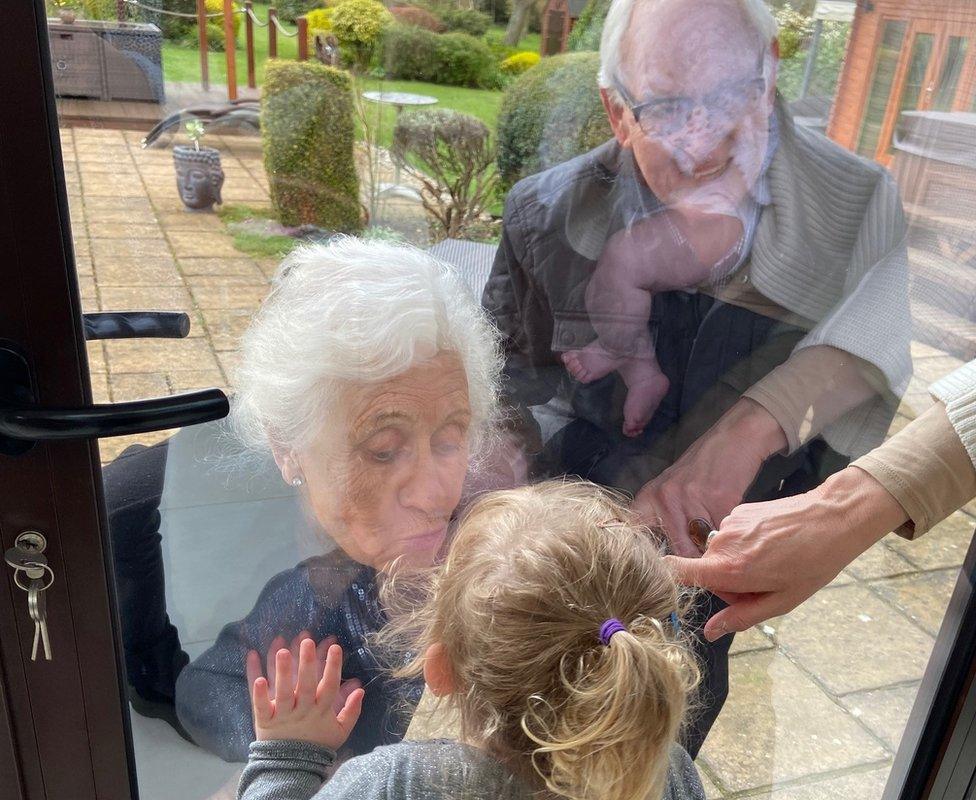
<point x="37" y="607"/>
<point x="34" y="576"/>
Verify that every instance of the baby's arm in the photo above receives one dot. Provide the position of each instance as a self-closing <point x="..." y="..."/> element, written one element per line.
<point x="299" y="731"/>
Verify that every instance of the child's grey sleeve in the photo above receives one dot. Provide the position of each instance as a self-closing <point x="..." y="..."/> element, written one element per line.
<point x="284" y="770"/>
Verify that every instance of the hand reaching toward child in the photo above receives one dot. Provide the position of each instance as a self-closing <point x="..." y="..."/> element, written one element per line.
<point x="304" y="702"/>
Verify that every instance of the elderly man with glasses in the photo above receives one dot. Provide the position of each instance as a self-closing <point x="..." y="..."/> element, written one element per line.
<point x="712" y="306"/>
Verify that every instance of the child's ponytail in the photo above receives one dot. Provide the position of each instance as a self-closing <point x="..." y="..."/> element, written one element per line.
<point x="540" y="681"/>
<point x="624" y="702"/>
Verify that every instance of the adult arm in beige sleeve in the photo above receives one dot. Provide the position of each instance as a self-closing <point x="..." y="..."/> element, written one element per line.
<point x="814" y="387"/>
<point x="926" y="468"/>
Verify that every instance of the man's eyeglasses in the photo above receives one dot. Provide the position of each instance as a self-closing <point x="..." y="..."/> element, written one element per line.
<point x="665" y="116"/>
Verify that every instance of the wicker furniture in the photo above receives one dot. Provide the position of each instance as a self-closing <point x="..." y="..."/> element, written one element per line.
<point x="107" y="60"/>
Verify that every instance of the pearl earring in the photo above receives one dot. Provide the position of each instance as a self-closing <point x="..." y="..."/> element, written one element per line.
<point x="297" y="481"/>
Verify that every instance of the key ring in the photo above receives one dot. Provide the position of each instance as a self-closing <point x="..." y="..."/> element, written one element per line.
<point x="47" y="570"/>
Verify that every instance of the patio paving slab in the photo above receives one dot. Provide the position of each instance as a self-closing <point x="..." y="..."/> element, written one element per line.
<point x="922" y="596"/>
<point x="862" y="785"/>
<point x="158" y="298"/>
<point x="851" y="640"/>
<point x="138" y="271"/>
<point x="160" y="355"/>
<point x="778" y="725"/>
<point x="239" y="266"/>
<point x="884" y="711"/>
<point x="228" y="295"/>
<point x="943" y="546"/>
<point x="879" y="561"/>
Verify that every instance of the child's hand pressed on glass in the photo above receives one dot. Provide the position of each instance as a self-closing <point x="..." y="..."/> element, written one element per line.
<point x="304" y="705"/>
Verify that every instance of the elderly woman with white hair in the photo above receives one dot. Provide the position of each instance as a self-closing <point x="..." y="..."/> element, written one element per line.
<point x="370" y="374"/>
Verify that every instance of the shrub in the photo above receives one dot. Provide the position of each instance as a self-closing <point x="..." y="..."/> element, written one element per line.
<point x="588" y="29"/>
<point x="408" y="53"/>
<point x="98" y="9"/>
<point x="550" y="114"/>
<point x="462" y="60"/>
<point x="451" y="155"/>
<point x="466" y="20"/>
<point x="319" y="22"/>
<point x="496" y="44"/>
<point x="455" y="59"/>
<point x="307" y="131"/>
<point x="357" y="26"/>
<point x="421" y="17"/>
<point x="290" y="10"/>
<point x="215" y="25"/>
<point x="795" y="28"/>
<point x="520" y="62"/>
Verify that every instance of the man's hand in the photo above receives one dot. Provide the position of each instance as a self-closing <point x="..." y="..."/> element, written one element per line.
<point x="711" y="477"/>
<point x="254" y="667"/>
<point x="304" y="709"/>
<point x="768" y="558"/>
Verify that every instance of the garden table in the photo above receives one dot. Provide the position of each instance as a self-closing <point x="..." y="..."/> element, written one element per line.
<point x="400" y="101"/>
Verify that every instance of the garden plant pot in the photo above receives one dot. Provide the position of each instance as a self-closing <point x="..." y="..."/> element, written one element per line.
<point x="199" y="176"/>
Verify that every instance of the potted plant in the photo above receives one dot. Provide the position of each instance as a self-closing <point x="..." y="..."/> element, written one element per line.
<point x="199" y="176"/>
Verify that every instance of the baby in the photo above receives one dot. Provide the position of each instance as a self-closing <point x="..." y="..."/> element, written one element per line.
<point x="656" y="254"/>
<point x="697" y="237"/>
<point x="551" y="631"/>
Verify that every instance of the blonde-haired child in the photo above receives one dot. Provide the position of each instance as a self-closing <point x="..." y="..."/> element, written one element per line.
<point x="551" y="631"/>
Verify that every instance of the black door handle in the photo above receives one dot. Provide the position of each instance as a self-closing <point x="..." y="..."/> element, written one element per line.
<point x="23" y="422"/>
<point x="37" y="423"/>
<point x="136" y="325"/>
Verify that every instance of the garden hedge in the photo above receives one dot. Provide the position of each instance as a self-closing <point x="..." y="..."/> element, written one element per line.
<point x="358" y="27"/>
<point x="550" y="114"/>
<point x="466" y="20"/>
<point x="307" y="130"/>
<point x="452" y="59"/>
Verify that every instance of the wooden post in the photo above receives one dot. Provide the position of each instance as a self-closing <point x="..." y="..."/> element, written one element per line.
<point x="302" y="39"/>
<point x="272" y="32"/>
<point x="120" y="10"/>
<point x="202" y="40"/>
<point x="249" y="39"/>
<point x="230" y="49"/>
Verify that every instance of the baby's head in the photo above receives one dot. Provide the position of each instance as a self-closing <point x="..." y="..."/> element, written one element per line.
<point x="511" y="633"/>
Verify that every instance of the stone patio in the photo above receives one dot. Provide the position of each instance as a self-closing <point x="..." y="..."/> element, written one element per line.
<point x="818" y="699"/>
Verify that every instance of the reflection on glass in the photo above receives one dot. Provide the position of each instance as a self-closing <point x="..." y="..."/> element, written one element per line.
<point x="881" y="83"/>
<point x="949" y="75"/>
<point x="222" y="558"/>
<point x="911" y="93"/>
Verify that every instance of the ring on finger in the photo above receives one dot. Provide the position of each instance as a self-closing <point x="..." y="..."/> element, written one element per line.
<point x="698" y="529"/>
<point x="708" y="539"/>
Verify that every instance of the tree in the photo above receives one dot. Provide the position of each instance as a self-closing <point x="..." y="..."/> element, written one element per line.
<point x="518" y="21"/>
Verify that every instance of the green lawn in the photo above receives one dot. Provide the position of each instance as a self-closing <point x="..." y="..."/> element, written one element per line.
<point x="181" y="63"/>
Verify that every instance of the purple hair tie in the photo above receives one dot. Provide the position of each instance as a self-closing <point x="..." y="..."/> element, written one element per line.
<point x="609" y="628"/>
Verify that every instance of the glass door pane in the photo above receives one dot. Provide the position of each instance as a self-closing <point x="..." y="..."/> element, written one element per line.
<point x="885" y="66"/>
<point x="949" y="75"/>
<point x="918" y="64"/>
<point x="222" y="548"/>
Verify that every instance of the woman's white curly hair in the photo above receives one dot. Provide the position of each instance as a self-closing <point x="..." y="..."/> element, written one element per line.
<point x="355" y="312"/>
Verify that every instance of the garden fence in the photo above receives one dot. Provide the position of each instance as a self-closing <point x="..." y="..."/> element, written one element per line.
<point x="251" y="20"/>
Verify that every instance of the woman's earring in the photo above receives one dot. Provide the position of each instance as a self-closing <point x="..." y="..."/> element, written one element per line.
<point x="297" y="481"/>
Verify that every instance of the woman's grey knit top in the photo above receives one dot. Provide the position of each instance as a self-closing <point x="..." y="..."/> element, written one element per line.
<point x="436" y="770"/>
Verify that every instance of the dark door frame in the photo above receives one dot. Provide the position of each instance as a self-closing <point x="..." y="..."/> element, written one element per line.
<point x="63" y="728"/>
<point x="937" y="756"/>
